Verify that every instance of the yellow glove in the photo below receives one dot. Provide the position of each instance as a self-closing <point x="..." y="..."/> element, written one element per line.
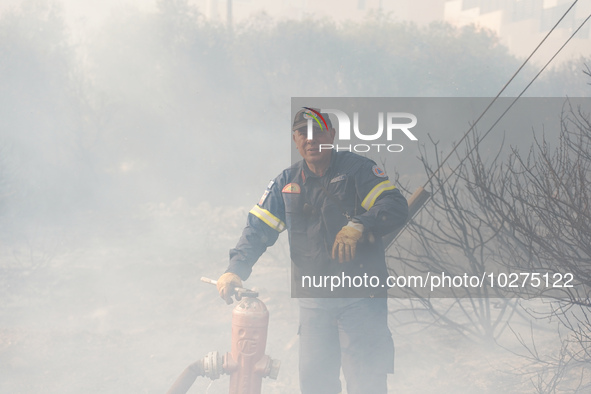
<point x="226" y="284"/>
<point x="345" y="242"/>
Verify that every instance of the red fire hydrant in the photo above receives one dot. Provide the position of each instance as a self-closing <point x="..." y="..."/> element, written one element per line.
<point x="247" y="363"/>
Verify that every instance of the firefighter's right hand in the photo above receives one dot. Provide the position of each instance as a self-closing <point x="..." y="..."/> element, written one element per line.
<point x="345" y="242"/>
<point x="226" y="284"/>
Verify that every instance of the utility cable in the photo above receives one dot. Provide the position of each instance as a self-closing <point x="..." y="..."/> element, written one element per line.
<point x="498" y="120"/>
<point x="478" y="141"/>
<point x="500" y="92"/>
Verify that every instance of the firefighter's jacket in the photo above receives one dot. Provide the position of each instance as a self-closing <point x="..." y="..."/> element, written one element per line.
<point x="314" y="209"/>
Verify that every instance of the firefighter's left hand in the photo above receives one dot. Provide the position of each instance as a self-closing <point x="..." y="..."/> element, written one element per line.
<point x="345" y="242"/>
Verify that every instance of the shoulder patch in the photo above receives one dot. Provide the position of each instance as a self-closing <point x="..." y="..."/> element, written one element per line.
<point x="292" y="188"/>
<point x="264" y="197"/>
<point x="266" y="193"/>
<point x="377" y="171"/>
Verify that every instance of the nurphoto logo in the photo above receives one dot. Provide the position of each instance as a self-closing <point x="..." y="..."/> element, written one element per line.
<point x="397" y="124"/>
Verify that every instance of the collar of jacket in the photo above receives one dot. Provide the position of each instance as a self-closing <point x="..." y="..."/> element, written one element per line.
<point x="307" y="173"/>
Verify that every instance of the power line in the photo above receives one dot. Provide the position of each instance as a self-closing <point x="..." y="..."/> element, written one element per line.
<point x="501" y="91"/>
<point x="478" y="141"/>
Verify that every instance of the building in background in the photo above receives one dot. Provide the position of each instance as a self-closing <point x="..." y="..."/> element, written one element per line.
<point x="522" y="24"/>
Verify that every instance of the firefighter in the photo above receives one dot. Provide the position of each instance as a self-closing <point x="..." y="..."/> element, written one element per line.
<point x="335" y="207"/>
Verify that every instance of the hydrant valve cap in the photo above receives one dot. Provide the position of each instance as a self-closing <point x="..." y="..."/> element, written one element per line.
<point x="274" y="371"/>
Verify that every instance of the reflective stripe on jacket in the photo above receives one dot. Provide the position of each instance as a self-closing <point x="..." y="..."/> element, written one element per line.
<point x="314" y="209"/>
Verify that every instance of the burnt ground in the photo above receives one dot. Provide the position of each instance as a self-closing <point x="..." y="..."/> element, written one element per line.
<point x="118" y="307"/>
